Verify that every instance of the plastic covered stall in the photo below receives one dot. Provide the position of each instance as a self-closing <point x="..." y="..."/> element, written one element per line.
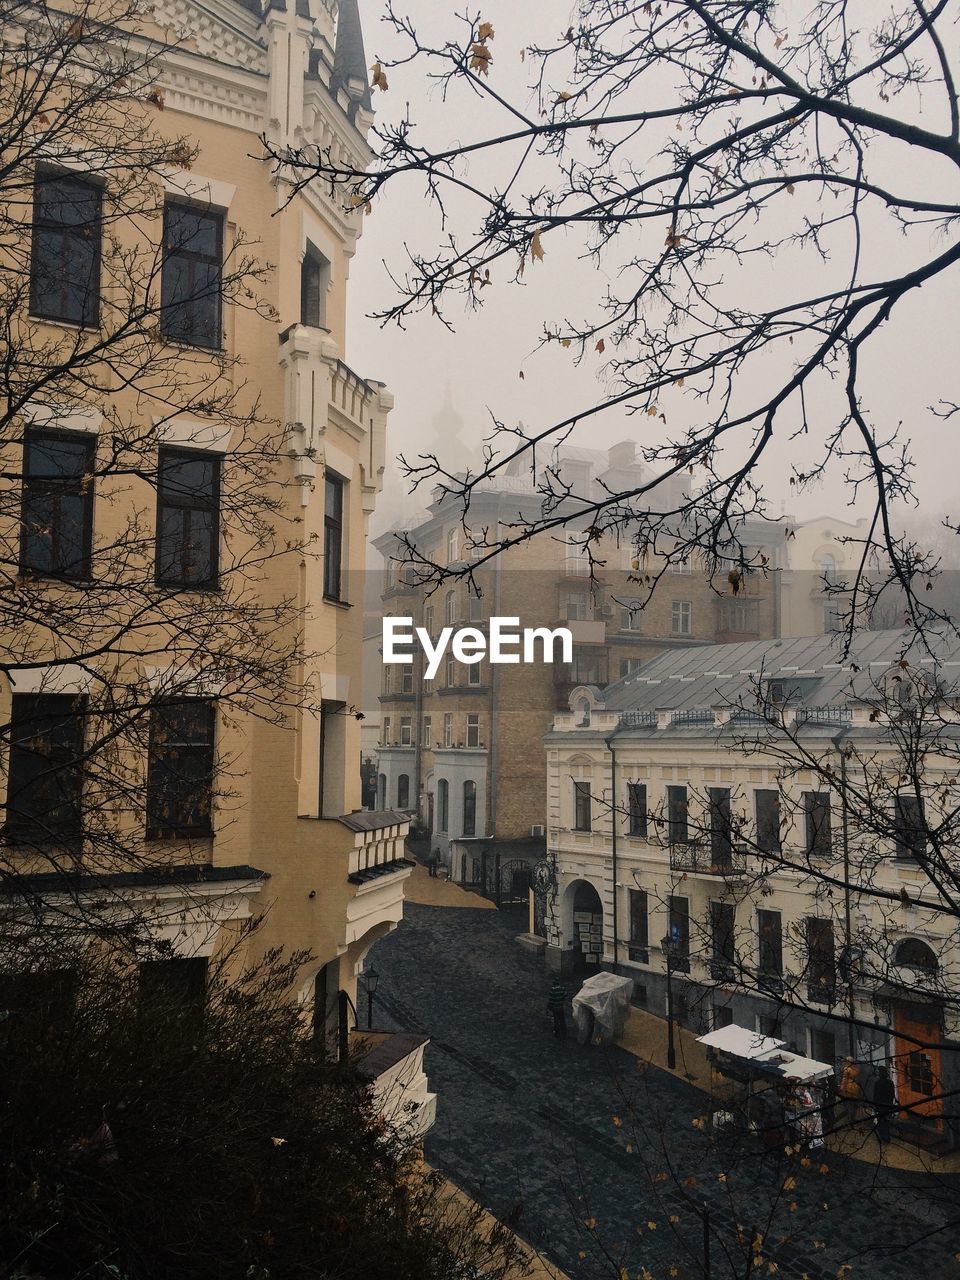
<point x="601" y="1006"/>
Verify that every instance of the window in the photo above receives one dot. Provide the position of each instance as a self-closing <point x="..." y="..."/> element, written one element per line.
<point x="582" y="816"/>
<point x="630" y="616"/>
<point x="332" y="758"/>
<point x="629" y="665"/>
<point x="173" y="991"/>
<point x="590" y="665"/>
<point x="816" y="811"/>
<point x="821" y="959"/>
<point x="770" y="945"/>
<point x="909" y="828"/>
<point x="450" y="607"/>
<point x="180" y="770"/>
<point x="469" y="808"/>
<point x="188" y="518"/>
<point x="428" y="619"/>
<point x="828" y="569"/>
<point x="721" y="827"/>
<point x="768" y="820"/>
<point x="45" y="778"/>
<point x="476" y="608"/>
<point x="56" y="521"/>
<point x="723" y="965"/>
<point x="680" y="932"/>
<point x="387" y="678"/>
<point x="768" y="1024"/>
<point x="443" y="804"/>
<point x="639" y="925"/>
<point x="578" y="607"/>
<point x="453" y="546"/>
<point x="190" y="282"/>
<point x="823" y="1046"/>
<point x="382" y="791"/>
<point x="450" y="671"/>
<point x="681" y="618"/>
<point x="637" y="809"/>
<point x="721" y="1016"/>
<point x="920" y="1073"/>
<point x="473" y="729"/>
<point x="386" y="731"/>
<point x="677" y="815"/>
<point x="403" y="791"/>
<point x="474" y="673"/>
<point x="742" y="616"/>
<point x="915" y="954"/>
<point x="65" y="250"/>
<point x="406" y="679"/>
<point x="448" y="729"/>
<point x="332" y="536"/>
<point x="834" y="618"/>
<point x="314" y="275"/>
<point x="576" y="560"/>
<point x="428" y="732"/>
<point x="406" y="731"/>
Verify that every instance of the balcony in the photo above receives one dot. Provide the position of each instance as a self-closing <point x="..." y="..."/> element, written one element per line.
<point x="392" y="1061"/>
<point x="376" y="868"/>
<point x="701" y="858"/>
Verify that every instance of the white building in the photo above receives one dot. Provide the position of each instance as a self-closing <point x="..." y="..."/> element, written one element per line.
<point x="673" y="827"/>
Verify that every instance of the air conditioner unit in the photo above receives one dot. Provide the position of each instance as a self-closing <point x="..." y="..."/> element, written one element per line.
<point x="538" y="831"/>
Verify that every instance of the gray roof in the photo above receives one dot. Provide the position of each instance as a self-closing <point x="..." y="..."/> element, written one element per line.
<point x="349" y="60"/>
<point x="164" y="874"/>
<point x="373" y="819"/>
<point x="813" y="669"/>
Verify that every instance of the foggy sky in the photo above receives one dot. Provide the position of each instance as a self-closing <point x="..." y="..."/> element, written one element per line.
<point x="475" y="370"/>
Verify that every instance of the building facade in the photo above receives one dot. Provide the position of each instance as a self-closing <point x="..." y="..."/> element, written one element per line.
<point x="239" y="800"/>
<point x="709" y="814"/>
<point x="463" y="751"/>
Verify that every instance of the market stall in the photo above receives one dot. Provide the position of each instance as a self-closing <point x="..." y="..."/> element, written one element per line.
<point x="600" y="1008"/>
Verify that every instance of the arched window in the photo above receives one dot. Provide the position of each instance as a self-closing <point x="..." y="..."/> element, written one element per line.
<point x="583" y="706"/>
<point x="443" y="805"/>
<point x="828" y="568"/>
<point x="914" y="954"/>
<point x="403" y="791"/>
<point x="450" y="607"/>
<point x="469" y="808"/>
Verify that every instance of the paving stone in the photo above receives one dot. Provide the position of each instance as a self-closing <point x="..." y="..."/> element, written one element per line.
<point x="525" y="1124"/>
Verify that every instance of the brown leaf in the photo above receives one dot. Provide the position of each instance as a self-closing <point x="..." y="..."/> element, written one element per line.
<point x="480" y="59"/>
<point x="485" y="31"/>
<point x="790" y="188"/>
<point x="536" y="249"/>
<point x="563" y="96"/>
<point x="564" y="342"/>
<point x="674" y="239"/>
<point x="600" y="346"/>
<point x="378" y="78"/>
<point x="156" y="97"/>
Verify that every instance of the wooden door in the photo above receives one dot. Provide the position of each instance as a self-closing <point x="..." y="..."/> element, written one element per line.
<point x="918" y="1068"/>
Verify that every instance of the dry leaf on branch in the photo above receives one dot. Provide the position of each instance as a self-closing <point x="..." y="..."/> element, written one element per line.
<point x="480" y="59"/>
<point x="600" y="346"/>
<point x="485" y="31"/>
<point x="378" y="78"/>
<point x="536" y="249"/>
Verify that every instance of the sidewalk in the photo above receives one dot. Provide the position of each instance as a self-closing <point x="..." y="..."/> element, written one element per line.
<point x="645" y="1036"/>
<point x="433" y="891"/>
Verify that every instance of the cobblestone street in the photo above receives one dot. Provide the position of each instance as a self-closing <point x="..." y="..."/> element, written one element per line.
<point x="565" y="1141"/>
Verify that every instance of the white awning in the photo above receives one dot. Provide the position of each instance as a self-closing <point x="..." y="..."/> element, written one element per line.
<point x="792" y="1067"/>
<point x="740" y="1041"/>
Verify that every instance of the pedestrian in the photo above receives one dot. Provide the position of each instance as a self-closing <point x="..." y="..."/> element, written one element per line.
<point x="434" y="862"/>
<point x="884" y="1100"/>
<point x="849" y="1089"/>
<point x="556" y="1004"/>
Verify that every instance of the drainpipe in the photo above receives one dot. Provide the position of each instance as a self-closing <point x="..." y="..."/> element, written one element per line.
<point x="847" y="915"/>
<point x="492" y="718"/>
<point x="613" y="847"/>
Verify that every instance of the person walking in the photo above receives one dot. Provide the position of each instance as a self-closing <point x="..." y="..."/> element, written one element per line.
<point x="434" y="862"/>
<point x="850" y="1090"/>
<point x="556" y="1003"/>
<point x="884" y="1100"/>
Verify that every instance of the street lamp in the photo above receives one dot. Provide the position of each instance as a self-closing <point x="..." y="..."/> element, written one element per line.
<point x="669" y="948"/>
<point x="372" y="978"/>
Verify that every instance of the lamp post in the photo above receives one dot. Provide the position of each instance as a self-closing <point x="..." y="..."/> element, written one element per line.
<point x="669" y="948"/>
<point x="371" y="978"/>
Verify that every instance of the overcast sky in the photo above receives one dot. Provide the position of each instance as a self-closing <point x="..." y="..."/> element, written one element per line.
<point x="453" y="381"/>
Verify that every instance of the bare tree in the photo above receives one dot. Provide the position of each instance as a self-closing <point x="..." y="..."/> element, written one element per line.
<point x="687" y="147"/>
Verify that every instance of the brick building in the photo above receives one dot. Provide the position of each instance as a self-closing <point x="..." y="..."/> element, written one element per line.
<point x="464" y="751"/>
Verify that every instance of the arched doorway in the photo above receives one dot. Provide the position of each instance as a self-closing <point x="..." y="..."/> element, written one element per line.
<point x="515" y="881"/>
<point x="583" y="923"/>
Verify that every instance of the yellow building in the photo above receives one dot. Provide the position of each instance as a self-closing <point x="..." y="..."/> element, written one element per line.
<point x="184" y="537"/>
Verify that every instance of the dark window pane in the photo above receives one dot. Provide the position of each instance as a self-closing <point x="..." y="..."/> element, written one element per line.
<point x="582" y="806"/>
<point x="57" y="504"/>
<point x="181" y="769"/>
<point x="770" y="929"/>
<point x="188" y="519"/>
<point x="721" y="827"/>
<point x="910" y="832"/>
<point x="768" y="821"/>
<point x="191" y="276"/>
<point x="680" y="927"/>
<point x="313" y="274"/>
<point x="638" y="917"/>
<point x="816" y="806"/>
<point x="677" y="814"/>
<point x="469" y="808"/>
<point x="722" y="930"/>
<point x="65" y="251"/>
<point x="821" y="959"/>
<point x="332" y="536"/>
<point x="637" y="796"/>
<point x="45" y="780"/>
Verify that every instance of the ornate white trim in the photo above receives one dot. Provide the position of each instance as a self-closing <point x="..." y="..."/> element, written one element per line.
<point x="63" y="418"/>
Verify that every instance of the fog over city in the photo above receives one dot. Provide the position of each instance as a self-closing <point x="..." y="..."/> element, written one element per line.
<point x="450" y="383"/>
